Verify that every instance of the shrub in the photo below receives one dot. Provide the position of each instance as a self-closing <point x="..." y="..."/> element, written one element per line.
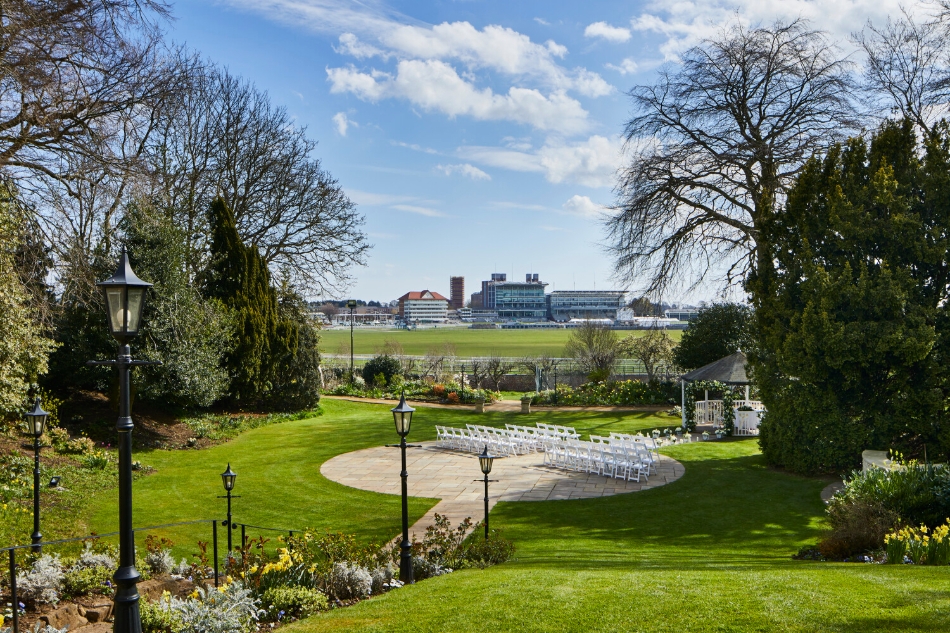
<point x="43" y="581"/>
<point x="159" y="617"/>
<point x="158" y="555"/>
<point x="39" y="627"/>
<point x="917" y="493"/>
<point x="232" y="609"/>
<point x="491" y="551"/>
<point x="61" y="443"/>
<point x="383" y="364"/>
<point x="382" y="578"/>
<point x="349" y="580"/>
<point x="856" y="527"/>
<point x="96" y="460"/>
<point x="293" y="602"/>
<point x="79" y="581"/>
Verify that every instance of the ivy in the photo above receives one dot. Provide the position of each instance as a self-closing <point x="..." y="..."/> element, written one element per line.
<point x="729" y="396"/>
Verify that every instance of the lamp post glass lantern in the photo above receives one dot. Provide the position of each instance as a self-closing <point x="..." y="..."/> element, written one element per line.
<point x="402" y="417"/>
<point x="35" y="425"/>
<point x="124" y="295"/>
<point x="485" y="463"/>
<point x="228" y="477"/>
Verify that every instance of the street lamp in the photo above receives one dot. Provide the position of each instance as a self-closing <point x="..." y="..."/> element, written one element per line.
<point x="402" y="416"/>
<point x="36" y="423"/>
<point x="351" y="304"/>
<point x="124" y="295"/>
<point x="485" y="463"/>
<point x="227" y="478"/>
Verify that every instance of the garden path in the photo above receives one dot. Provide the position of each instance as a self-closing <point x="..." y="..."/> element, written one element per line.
<point x="499" y="405"/>
<point x="454" y="478"/>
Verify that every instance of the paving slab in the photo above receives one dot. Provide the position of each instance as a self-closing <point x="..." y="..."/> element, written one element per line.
<point x="454" y="477"/>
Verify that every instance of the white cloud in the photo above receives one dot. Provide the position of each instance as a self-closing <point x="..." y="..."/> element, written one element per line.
<point x="351" y="45"/>
<point x="607" y="32"/>
<point x="465" y="169"/>
<point x="626" y="67"/>
<point x="688" y="22"/>
<point x="436" y="86"/>
<point x="426" y="211"/>
<point x="592" y="163"/>
<point x="343" y="123"/>
<point x="542" y="22"/>
<point x="583" y="206"/>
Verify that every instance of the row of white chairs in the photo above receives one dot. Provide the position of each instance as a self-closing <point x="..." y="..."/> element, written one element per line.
<point x="512" y="440"/>
<point x="621" y="460"/>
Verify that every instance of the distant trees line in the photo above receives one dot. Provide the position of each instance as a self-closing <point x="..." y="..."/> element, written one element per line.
<point x="821" y="185"/>
<point x="111" y="135"/>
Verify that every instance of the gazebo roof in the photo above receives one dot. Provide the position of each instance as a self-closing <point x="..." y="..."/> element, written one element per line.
<point x="730" y="370"/>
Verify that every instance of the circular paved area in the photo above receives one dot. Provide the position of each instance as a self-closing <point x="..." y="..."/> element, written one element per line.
<point x="450" y="476"/>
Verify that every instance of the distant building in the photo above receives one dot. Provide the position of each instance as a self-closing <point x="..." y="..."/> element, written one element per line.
<point x="682" y="315"/>
<point x="564" y="305"/>
<point x="423" y="307"/>
<point x="515" y="299"/>
<point x="476" y="302"/>
<point x="456" y="292"/>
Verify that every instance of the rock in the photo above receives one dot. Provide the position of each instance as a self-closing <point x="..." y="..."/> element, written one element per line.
<point x="65" y="616"/>
<point x="99" y="627"/>
<point x="98" y="613"/>
<point x="154" y="588"/>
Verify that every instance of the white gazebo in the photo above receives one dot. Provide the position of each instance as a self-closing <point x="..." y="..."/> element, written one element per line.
<point x="729" y="371"/>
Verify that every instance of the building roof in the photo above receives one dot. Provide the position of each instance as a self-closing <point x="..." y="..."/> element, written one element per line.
<point x="730" y="370"/>
<point x="422" y="295"/>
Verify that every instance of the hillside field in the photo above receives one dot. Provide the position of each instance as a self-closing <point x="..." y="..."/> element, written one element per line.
<point x="467" y="342"/>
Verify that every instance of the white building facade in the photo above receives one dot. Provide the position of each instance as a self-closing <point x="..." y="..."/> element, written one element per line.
<point x="424" y="306"/>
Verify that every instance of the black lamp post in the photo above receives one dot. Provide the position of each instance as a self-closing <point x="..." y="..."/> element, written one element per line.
<point x="485" y="463"/>
<point x="36" y="423"/>
<point x="402" y="416"/>
<point x="228" y="477"/>
<point x="351" y="304"/>
<point x="125" y="296"/>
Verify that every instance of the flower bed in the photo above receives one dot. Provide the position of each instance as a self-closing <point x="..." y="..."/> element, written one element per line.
<point x="420" y="390"/>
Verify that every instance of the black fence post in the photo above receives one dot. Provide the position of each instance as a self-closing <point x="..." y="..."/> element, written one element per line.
<point x="243" y="537"/>
<point x="13" y="598"/>
<point x="215" y="550"/>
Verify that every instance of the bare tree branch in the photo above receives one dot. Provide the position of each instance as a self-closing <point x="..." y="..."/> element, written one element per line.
<point x="715" y="145"/>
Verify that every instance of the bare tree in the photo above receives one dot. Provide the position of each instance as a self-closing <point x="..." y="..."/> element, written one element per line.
<point x="226" y="137"/>
<point x="70" y="70"/>
<point x="907" y="68"/>
<point x="654" y="349"/>
<point x="497" y="368"/>
<point x="715" y="144"/>
<point x="594" y="347"/>
<point x="477" y="371"/>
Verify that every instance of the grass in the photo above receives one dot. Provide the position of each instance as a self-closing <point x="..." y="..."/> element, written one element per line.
<point x="467" y="342"/>
<point x="710" y="552"/>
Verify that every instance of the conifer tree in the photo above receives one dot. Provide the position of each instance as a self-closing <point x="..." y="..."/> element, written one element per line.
<point x="238" y="276"/>
<point x="853" y="332"/>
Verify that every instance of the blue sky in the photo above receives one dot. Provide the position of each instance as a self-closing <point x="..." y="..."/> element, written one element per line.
<point x="476" y="136"/>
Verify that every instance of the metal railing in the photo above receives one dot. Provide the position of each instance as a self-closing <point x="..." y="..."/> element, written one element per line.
<point x="214" y="540"/>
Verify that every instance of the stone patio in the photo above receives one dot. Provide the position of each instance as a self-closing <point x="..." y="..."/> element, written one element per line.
<point x="451" y="477"/>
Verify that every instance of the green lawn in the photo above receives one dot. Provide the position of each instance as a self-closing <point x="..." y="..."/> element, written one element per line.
<point x="467" y="342"/>
<point x="710" y="552"/>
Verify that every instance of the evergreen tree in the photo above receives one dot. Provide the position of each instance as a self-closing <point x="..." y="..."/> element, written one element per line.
<point x="24" y="351"/>
<point x="719" y="330"/>
<point x="238" y="276"/>
<point x="188" y="333"/>
<point x="852" y="328"/>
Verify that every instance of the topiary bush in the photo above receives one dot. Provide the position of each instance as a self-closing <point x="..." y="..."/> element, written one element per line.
<point x="384" y="365"/>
